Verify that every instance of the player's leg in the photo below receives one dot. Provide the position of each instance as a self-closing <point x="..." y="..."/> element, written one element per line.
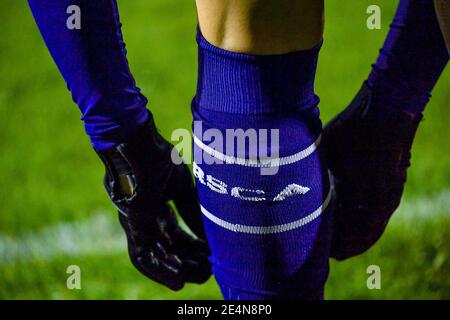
<point x="369" y="144"/>
<point x="443" y="13"/>
<point x="267" y="221"/>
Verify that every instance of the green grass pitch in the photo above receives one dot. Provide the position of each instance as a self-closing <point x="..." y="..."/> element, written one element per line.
<point x="51" y="196"/>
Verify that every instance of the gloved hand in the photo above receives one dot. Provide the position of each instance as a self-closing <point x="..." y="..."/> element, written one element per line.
<point x="140" y="180"/>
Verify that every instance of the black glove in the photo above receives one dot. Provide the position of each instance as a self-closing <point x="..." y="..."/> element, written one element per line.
<point x="140" y="180"/>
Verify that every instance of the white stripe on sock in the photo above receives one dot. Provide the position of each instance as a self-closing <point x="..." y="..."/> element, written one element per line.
<point x="259" y="163"/>
<point x="268" y="229"/>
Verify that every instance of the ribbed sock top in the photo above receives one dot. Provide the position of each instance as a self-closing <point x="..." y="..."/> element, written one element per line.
<point x="255" y="84"/>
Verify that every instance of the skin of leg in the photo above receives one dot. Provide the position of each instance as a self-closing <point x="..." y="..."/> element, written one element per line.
<point x="262" y="27"/>
<point x="443" y="13"/>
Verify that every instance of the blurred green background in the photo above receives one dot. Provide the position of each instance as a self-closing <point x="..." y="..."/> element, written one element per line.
<point x="54" y="212"/>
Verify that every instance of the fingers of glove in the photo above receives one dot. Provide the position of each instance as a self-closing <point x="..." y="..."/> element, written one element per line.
<point x="181" y="241"/>
<point x="182" y="191"/>
<point x="171" y="270"/>
<point x="166" y="270"/>
<point x="191" y="247"/>
<point x="199" y="246"/>
<point x="194" y="255"/>
<point x="153" y="260"/>
<point x="196" y="271"/>
<point x="192" y="252"/>
<point x="194" y="264"/>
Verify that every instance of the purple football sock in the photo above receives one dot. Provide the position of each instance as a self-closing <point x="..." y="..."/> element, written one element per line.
<point x="265" y="200"/>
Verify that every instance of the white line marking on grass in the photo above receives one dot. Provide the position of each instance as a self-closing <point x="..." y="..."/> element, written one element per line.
<point x="434" y="206"/>
<point x="101" y="235"/>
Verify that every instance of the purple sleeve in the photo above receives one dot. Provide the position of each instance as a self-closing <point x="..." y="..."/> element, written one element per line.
<point x="91" y="57"/>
